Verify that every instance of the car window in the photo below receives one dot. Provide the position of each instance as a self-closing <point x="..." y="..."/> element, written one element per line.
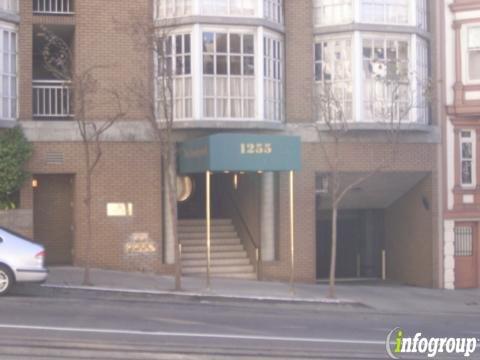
<point x="8" y="231"/>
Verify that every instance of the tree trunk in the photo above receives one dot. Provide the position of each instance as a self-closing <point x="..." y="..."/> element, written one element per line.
<point x="333" y="258"/>
<point x="172" y="208"/>
<point x="88" y="204"/>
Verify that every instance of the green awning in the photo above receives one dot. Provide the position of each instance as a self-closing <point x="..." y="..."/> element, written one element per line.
<point x="240" y="152"/>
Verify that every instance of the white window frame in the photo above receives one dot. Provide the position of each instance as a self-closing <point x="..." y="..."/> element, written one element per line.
<point x="385" y="19"/>
<point x="10" y="6"/>
<point x="465" y="50"/>
<point x="320" y="5"/>
<point x="12" y="77"/>
<point x="412" y="63"/>
<point x="161" y="8"/>
<point x="256" y="56"/>
<point x="279" y="83"/>
<point x="318" y="83"/>
<point x="182" y="77"/>
<point x="273" y="11"/>
<point x="472" y="140"/>
<point x="203" y="4"/>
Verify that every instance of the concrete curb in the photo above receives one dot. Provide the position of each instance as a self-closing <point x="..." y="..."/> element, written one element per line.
<point x="210" y="295"/>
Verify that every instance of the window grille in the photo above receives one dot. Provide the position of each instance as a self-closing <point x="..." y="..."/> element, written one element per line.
<point x="463" y="241"/>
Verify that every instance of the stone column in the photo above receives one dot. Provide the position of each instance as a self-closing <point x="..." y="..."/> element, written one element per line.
<point x="267" y="217"/>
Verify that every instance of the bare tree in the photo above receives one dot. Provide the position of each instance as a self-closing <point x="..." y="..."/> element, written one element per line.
<point x="157" y="100"/>
<point x="391" y="105"/>
<point x="58" y="59"/>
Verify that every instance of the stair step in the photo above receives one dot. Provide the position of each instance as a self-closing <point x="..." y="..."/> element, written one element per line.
<point x="202" y="228"/>
<point x="214" y="248"/>
<point x="213" y="234"/>
<point x="215" y="241"/>
<point x="215" y="255"/>
<point x="203" y="221"/>
<point x="219" y="269"/>
<point x="186" y="263"/>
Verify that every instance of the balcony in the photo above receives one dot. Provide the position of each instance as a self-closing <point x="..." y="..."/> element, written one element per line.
<point x="53" y="7"/>
<point x="52" y="100"/>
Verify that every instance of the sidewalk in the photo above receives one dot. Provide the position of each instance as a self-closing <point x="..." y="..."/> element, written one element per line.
<point x="378" y="296"/>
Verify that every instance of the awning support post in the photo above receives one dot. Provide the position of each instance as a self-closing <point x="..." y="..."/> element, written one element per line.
<point x="208" y="220"/>
<point x="292" y="238"/>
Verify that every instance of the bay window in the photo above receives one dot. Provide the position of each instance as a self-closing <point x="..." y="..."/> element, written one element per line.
<point x="371" y="78"/>
<point x="467" y="160"/>
<point x="9" y="74"/>
<point x="473" y="53"/>
<point x="174" y="71"/>
<point x="333" y="77"/>
<point x="228" y="75"/>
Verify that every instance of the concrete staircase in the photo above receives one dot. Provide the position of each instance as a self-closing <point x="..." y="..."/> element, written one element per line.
<point x="228" y="255"/>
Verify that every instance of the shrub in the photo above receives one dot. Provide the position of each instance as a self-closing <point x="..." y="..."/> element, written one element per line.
<point x="15" y="151"/>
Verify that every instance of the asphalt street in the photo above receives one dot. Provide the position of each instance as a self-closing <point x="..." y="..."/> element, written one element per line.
<point x="42" y="324"/>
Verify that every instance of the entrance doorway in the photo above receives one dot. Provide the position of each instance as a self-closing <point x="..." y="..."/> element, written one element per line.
<point x="53" y="217"/>
<point x="360" y="241"/>
<point x="466" y="255"/>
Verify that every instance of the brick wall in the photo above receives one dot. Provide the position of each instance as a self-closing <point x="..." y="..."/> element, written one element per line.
<point x="409" y="243"/>
<point x="298" y="60"/>
<point x="127" y="172"/>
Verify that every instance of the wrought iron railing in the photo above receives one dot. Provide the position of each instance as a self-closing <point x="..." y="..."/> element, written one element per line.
<point x="52" y="99"/>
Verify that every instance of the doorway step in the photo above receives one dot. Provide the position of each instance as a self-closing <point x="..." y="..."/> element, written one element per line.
<point x="228" y="255"/>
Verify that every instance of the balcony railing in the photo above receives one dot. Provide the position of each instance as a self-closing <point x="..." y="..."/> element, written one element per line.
<point x="52" y="99"/>
<point x="53" y="7"/>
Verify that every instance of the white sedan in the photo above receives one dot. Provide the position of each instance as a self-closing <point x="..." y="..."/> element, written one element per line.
<point x="21" y="260"/>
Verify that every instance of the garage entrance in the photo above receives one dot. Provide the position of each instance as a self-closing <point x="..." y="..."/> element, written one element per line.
<point x="53" y="216"/>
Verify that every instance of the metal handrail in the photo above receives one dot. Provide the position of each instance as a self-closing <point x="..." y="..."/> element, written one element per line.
<point x="249" y="233"/>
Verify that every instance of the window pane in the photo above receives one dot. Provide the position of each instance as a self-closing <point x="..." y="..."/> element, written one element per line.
<point x="208" y="64"/>
<point x="474" y="65"/>
<point x="222" y="65"/>
<point x="208" y="42"/>
<point x="178" y="44"/>
<point x="248" y="44"/>
<point x="235" y="65"/>
<point x="187" y="65"/>
<point x="466" y="172"/>
<point x="467" y="150"/>
<point x="234" y="43"/>
<point x="222" y="43"/>
<point x="187" y="43"/>
<point x="248" y="65"/>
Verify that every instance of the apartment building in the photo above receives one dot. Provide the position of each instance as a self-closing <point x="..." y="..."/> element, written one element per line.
<point x="246" y="76"/>
<point x="462" y="87"/>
